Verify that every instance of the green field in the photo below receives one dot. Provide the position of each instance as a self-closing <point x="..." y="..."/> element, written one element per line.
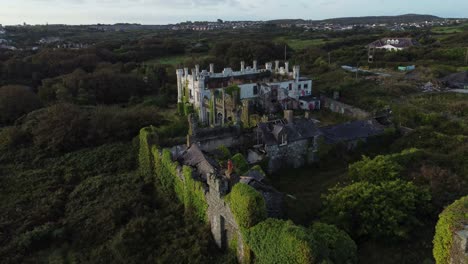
<point x="171" y="60"/>
<point x="450" y="29"/>
<point x="300" y="44"/>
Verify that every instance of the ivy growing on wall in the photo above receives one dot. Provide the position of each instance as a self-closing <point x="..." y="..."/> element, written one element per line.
<point x="451" y="219"/>
<point x="247" y="205"/>
<point x="188" y="191"/>
<point x="279" y="241"/>
<point x="147" y="137"/>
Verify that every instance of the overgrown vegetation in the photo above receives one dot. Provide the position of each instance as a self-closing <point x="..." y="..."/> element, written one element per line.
<point x="452" y="219"/>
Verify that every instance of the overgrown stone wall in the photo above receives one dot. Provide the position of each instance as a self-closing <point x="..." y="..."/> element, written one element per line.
<point x="342" y="108"/>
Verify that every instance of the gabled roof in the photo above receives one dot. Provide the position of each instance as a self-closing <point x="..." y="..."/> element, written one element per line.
<point x="194" y="157"/>
<point x="352" y="130"/>
<point x="297" y="130"/>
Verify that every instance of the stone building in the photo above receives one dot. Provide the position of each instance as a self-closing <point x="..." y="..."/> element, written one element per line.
<point x="288" y="142"/>
<point x="216" y="98"/>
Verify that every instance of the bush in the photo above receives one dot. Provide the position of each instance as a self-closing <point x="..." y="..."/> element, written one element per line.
<point x="12" y="137"/>
<point x="375" y="170"/>
<point x="333" y="245"/>
<point x="277" y="241"/>
<point x="452" y="219"/>
<point x="247" y="205"/>
<point x="240" y="164"/>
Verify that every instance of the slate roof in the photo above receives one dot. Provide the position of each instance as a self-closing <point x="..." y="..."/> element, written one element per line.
<point x="194" y="157"/>
<point x="402" y="42"/>
<point x="298" y="130"/>
<point x="352" y="130"/>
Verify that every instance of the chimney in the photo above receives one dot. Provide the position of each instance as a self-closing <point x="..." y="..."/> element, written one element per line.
<point x="242" y="66"/>
<point x="255" y="65"/>
<point x="211" y="68"/>
<point x="286" y="67"/>
<point x="197" y="70"/>
<point x="277" y="65"/>
<point x="186" y="73"/>
<point x="268" y="66"/>
<point x="289" y="116"/>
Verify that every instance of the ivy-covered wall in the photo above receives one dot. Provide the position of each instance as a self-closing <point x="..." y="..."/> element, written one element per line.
<point x="147" y="137"/>
<point x="278" y="241"/>
<point x="179" y="181"/>
<point x="247" y="205"/>
<point x="452" y="219"/>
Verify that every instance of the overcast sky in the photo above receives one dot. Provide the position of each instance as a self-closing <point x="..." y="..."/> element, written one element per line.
<point x="173" y="11"/>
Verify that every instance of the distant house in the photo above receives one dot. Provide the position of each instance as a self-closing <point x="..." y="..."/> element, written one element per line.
<point x="393" y="44"/>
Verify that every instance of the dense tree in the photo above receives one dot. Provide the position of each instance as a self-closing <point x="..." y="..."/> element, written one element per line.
<point x="389" y="209"/>
<point x="16" y="101"/>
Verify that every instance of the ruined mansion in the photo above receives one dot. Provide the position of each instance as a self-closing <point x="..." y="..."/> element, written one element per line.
<point x="219" y="98"/>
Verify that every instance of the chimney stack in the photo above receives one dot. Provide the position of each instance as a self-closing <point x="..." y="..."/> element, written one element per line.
<point x="197" y="70"/>
<point x="255" y="65"/>
<point x="242" y="66"/>
<point x="289" y="116"/>
<point x="211" y="68"/>
<point x="277" y="65"/>
<point x="286" y="67"/>
<point x="268" y="66"/>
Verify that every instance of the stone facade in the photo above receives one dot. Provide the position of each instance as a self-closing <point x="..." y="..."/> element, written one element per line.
<point x="344" y="109"/>
<point x="459" y="254"/>
<point x="295" y="154"/>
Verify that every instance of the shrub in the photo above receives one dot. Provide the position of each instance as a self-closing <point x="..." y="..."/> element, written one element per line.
<point x="375" y="170"/>
<point x="240" y="164"/>
<point x="453" y="218"/>
<point x="278" y="241"/>
<point x="247" y="205"/>
<point x="334" y="245"/>
<point x="11" y="137"/>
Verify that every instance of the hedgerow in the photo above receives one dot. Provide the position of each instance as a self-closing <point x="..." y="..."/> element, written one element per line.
<point x="453" y="218"/>
<point x="247" y="205"/>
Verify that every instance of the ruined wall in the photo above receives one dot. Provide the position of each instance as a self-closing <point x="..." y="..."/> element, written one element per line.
<point x="295" y="154"/>
<point x="209" y="139"/>
<point x="344" y="109"/>
<point x="459" y="254"/>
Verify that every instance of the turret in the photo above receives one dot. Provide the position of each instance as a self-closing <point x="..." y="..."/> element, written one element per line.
<point x="296" y="72"/>
<point x="180" y="73"/>
<point x="197" y="70"/>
